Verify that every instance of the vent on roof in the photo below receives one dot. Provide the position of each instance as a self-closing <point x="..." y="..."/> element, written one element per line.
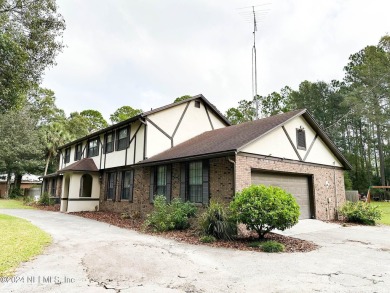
<point x="301" y="139"/>
<point x="197" y="104"/>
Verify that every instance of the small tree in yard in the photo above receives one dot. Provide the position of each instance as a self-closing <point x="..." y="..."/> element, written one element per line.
<point x="264" y="209"/>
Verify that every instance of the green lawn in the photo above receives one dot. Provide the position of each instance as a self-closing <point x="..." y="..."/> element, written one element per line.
<point x="385" y="208"/>
<point x="19" y="242"/>
<point x="12" y="204"/>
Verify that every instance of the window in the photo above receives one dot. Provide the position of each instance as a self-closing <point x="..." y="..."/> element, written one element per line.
<point x="111" y="181"/>
<point x="109" y="143"/>
<point x="161" y="180"/>
<point x="93" y="148"/>
<point x="53" y="187"/>
<point x="301" y="139"/>
<point x="86" y="186"/>
<point x="123" y="139"/>
<point x="195" y="180"/>
<point x="127" y="185"/>
<point x="197" y="104"/>
<point x="67" y="155"/>
<point x="78" y="151"/>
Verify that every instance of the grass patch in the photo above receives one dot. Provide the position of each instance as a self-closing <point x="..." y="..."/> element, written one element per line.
<point x="13" y="204"/>
<point x="384" y="207"/>
<point x="19" y="242"/>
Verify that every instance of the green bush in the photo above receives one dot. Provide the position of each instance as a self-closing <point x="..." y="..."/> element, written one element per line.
<point x="207" y="239"/>
<point x="15" y="193"/>
<point x="272" y="246"/>
<point x="360" y="212"/>
<point x="264" y="209"/>
<point x="28" y="200"/>
<point x="173" y="216"/>
<point x="217" y="221"/>
<point x="44" y="199"/>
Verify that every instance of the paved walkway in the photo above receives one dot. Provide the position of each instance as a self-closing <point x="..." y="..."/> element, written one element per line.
<point x="89" y="256"/>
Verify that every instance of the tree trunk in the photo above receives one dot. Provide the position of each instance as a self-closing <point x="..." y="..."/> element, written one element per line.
<point x="8" y="185"/>
<point x="47" y="163"/>
<point x="381" y="156"/>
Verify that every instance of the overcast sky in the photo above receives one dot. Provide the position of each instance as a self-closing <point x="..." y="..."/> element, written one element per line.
<point x="146" y="53"/>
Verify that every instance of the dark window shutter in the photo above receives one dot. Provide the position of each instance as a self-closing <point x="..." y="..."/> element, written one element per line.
<point x="183" y="181"/>
<point x="301" y="139"/>
<point x="205" y="187"/>
<point x="119" y="186"/>
<point x="169" y="183"/>
<point x="116" y="140"/>
<point x="131" y="185"/>
<point x="115" y="185"/>
<point x="128" y="136"/>
<point x="152" y="184"/>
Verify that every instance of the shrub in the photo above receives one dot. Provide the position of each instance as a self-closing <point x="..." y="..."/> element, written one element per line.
<point x="44" y="200"/>
<point x="15" y="193"/>
<point x="360" y="212"/>
<point x="173" y="216"/>
<point x="254" y="244"/>
<point x="207" y="239"/>
<point x="272" y="246"/>
<point x="28" y="200"/>
<point x="264" y="209"/>
<point x="217" y="221"/>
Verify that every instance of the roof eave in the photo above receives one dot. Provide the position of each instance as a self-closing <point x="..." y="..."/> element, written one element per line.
<point x="186" y="158"/>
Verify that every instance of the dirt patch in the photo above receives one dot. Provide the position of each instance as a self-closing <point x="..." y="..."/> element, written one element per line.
<point x="192" y="237"/>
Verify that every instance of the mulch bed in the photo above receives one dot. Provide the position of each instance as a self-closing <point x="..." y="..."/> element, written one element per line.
<point x="51" y="208"/>
<point x="192" y="237"/>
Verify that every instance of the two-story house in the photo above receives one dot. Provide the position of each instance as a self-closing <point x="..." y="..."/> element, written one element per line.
<point x="189" y="150"/>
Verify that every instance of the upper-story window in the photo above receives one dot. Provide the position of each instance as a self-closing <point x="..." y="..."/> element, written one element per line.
<point x="93" y="147"/>
<point x="123" y="139"/>
<point x="78" y="151"/>
<point x="67" y="155"/>
<point x="109" y="143"/>
<point x="301" y="139"/>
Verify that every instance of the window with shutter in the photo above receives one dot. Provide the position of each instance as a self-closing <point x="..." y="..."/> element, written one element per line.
<point x="301" y="139"/>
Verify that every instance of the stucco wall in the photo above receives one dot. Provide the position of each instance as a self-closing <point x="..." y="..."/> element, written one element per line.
<point x="324" y="187"/>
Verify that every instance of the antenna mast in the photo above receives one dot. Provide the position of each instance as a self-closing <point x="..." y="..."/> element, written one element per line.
<point x="254" y="64"/>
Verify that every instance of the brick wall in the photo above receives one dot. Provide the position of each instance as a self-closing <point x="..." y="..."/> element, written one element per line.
<point x="221" y="179"/>
<point x="322" y="194"/>
<point x="140" y="206"/>
<point x="221" y="187"/>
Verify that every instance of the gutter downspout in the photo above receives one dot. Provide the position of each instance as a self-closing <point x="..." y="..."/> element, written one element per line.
<point x="234" y="172"/>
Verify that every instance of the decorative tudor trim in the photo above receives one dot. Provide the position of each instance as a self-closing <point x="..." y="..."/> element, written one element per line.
<point x="291" y="142"/>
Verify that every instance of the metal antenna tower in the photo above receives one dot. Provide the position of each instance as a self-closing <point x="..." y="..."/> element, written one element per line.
<point x="254" y="64"/>
<point x="256" y="15"/>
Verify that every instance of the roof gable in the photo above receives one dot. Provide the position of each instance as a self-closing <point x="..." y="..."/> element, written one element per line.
<point x="237" y="137"/>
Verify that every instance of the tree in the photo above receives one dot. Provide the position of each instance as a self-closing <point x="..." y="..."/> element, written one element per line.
<point x="264" y="209"/>
<point x="368" y="76"/>
<point x="243" y="113"/>
<point x="124" y="113"/>
<point x="94" y="120"/>
<point x="21" y="148"/>
<point x="182" y="98"/>
<point x="30" y="38"/>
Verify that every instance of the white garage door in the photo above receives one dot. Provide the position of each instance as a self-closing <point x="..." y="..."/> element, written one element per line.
<point x="298" y="186"/>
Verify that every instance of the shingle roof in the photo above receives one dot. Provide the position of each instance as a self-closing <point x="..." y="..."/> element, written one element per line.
<point x="225" y="139"/>
<point x="86" y="164"/>
<point x="232" y="138"/>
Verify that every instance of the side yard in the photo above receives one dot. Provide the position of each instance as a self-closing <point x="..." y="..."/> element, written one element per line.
<point x="19" y="242"/>
<point x="385" y="209"/>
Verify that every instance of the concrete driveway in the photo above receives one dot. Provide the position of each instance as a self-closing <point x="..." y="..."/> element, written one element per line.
<point x="88" y="256"/>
